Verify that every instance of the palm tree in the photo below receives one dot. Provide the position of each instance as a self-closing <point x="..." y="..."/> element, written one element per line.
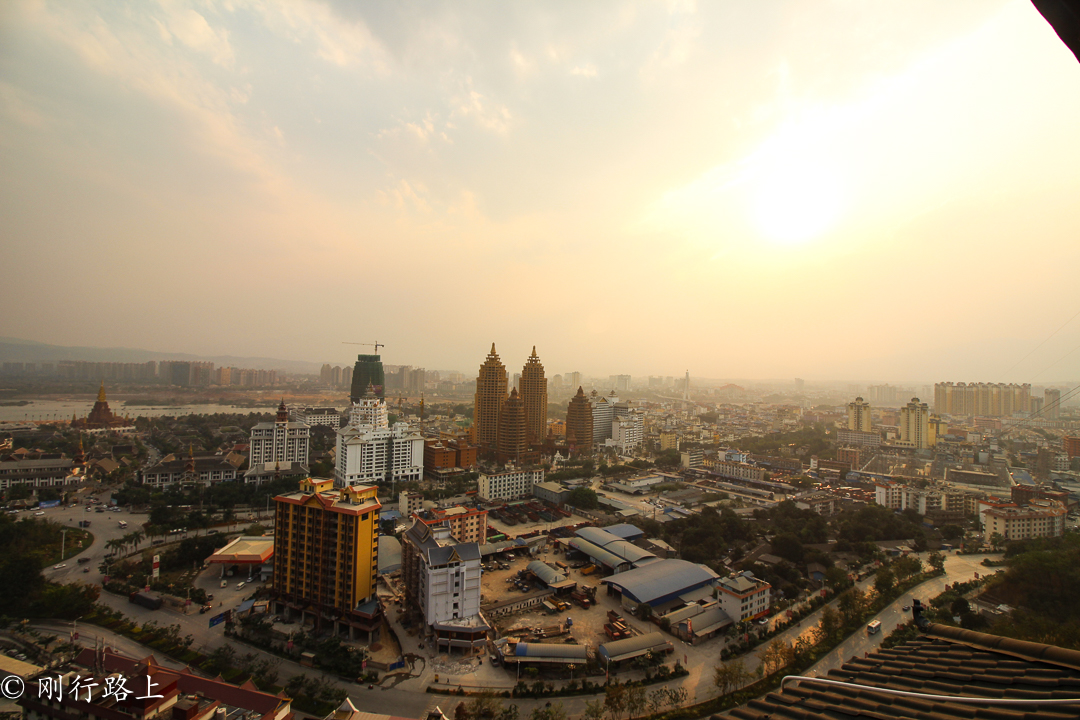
<point x="137" y="537"/>
<point x="114" y="545"/>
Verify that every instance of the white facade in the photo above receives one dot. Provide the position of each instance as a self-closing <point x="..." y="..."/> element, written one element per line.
<point x="367" y="455"/>
<point x="450" y="579"/>
<point x="280" y="441"/>
<point x="744" y="597"/>
<point x="628" y="432"/>
<point x="410" y="502"/>
<point x="313" y="416"/>
<point x="370" y="410"/>
<point x="603" y="412"/>
<point x="739" y="471"/>
<point x="1046" y="519"/>
<point x="508" y="485"/>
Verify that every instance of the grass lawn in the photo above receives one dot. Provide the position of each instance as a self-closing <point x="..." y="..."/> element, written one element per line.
<point x="74" y="541"/>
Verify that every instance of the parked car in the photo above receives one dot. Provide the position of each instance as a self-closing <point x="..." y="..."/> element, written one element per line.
<point x="40" y="512"/>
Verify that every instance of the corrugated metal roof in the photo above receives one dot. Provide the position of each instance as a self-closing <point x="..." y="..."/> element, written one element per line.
<point x="661" y="578"/>
<point x="625" y="531"/>
<point x="545" y="572"/>
<point x="597" y="536"/>
<point x="597" y="553"/>
<point x="635" y="646"/>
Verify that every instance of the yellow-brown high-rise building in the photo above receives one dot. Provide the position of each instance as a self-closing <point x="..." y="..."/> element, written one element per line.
<point x="858" y="416"/>
<point x="579" y="424"/>
<point x="534" y="399"/>
<point x="326" y="557"/>
<point x="489" y="399"/>
<point x="512" y="434"/>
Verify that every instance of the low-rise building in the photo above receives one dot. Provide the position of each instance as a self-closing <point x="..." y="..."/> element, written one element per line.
<point x="45" y="472"/>
<point x="508" y="485"/>
<point x="744" y="597"/>
<point x="466" y="524"/>
<point x="190" y="471"/>
<point x="1041" y="518"/>
<point x="312" y="416"/>
<point x="551" y="492"/>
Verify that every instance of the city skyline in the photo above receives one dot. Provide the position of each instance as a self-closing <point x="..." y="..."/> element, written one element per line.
<point x="765" y="191"/>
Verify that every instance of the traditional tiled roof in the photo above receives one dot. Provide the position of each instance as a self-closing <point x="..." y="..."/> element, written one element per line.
<point x="944" y="661"/>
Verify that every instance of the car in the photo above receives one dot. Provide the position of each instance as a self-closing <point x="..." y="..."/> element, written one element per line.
<point x="240" y="585"/>
<point x="224" y="583"/>
<point x="89" y="509"/>
<point x="206" y="608"/>
<point x="209" y="596"/>
<point x="906" y="608"/>
<point x="99" y="509"/>
<point x="86" y="569"/>
<point x="762" y="621"/>
<point x="61" y="565"/>
<point x="211" y="532"/>
<point x="40" y="512"/>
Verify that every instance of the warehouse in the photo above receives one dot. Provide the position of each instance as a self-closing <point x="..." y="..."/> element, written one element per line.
<point x="546" y="653"/>
<point x="660" y="582"/>
<point x="630" y="648"/>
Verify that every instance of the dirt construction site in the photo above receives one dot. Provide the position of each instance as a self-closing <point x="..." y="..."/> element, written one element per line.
<point x="580" y="625"/>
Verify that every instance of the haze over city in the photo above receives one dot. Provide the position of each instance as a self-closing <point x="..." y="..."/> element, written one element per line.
<point x="769" y="189"/>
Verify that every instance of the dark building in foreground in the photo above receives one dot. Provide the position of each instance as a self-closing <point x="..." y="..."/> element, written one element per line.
<point x="944" y="661"/>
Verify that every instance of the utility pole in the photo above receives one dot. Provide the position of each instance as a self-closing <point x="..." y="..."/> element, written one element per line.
<point x="63" y="543"/>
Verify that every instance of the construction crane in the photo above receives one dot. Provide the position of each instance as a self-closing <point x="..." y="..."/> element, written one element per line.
<point x="375" y="344"/>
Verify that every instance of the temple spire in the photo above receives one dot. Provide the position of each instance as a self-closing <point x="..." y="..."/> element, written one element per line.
<point x="101" y="392"/>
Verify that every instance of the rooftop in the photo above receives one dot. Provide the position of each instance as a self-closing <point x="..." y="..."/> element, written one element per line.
<point x="944" y="661"/>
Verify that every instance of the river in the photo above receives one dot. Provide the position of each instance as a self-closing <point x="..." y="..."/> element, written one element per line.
<point x="53" y="410"/>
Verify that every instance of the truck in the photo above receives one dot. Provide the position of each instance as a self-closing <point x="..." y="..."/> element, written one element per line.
<point x="580" y="598"/>
<point x="588" y="570"/>
<point x="153" y="602"/>
<point x="874" y="627"/>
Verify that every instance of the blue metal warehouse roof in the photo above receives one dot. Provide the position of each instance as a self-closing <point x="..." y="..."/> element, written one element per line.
<point x="661" y="579"/>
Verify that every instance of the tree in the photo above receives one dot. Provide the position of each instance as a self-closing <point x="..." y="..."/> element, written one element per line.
<point x="483" y="706"/>
<point x="730" y="676"/>
<point x="952" y="532"/>
<point x="461" y="712"/>
<point x="510" y="712"/>
<point x="255" y="530"/>
<point x="937" y="561"/>
<point x="960" y="606"/>
<point x="584" y="498"/>
<point x="594" y="709"/>
<point x="852" y="605"/>
<point x="549" y="711"/>
<point x="829" y="624"/>
<point x="777" y="654"/>
<point x="788" y="546"/>
<point x="636" y="700"/>
<point x="884" y="581"/>
<point x="615" y="701"/>
<point x="676" y="696"/>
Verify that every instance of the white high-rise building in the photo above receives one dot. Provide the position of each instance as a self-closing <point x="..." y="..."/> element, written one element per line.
<point x="278" y="445"/>
<point x="686" y="387"/>
<point x="603" y="412"/>
<point x="370" y="452"/>
<point x="628" y="432"/>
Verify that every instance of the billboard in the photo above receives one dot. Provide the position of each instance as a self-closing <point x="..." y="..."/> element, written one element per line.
<point x="157" y="566"/>
<point x="217" y="619"/>
<point x="48" y="504"/>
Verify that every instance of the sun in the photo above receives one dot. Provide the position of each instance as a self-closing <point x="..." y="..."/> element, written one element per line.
<point x="796" y="199"/>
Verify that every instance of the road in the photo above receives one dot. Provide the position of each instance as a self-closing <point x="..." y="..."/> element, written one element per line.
<point x="407" y="697"/>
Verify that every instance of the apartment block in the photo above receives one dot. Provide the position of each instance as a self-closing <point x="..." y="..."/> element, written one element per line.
<point x="326" y="557"/>
<point x="508" y="485"/>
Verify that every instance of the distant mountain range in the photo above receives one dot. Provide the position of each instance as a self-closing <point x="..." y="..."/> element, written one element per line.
<point x="18" y="350"/>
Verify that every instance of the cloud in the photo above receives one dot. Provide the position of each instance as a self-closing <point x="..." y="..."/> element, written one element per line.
<point x="194" y="31"/>
<point x="586" y="70"/>
<point x="487" y="114"/>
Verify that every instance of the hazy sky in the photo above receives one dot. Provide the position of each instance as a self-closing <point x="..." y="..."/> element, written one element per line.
<point x="847" y="189"/>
